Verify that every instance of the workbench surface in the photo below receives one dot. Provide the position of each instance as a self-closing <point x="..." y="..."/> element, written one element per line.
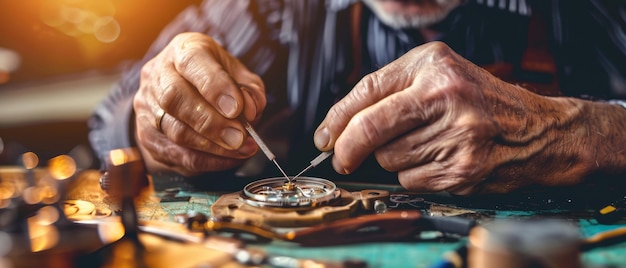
<point x="420" y="253"/>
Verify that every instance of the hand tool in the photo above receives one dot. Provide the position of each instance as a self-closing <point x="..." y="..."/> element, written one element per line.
<point x="316" y="161"/>
<point x="236" y="248"/>
<point x="395" y="225"/>
<point x="398" y="225"/>
<point x="262" y="145"/>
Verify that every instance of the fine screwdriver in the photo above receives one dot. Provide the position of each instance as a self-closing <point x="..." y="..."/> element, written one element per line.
<point x="264" y="148"/>
<point x="316" y="161"/>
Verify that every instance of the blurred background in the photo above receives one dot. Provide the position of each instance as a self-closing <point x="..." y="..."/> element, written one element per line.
<point x="58" y="59"/>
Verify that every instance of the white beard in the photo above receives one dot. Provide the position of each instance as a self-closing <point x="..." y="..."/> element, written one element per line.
<point x="435" y="13"/>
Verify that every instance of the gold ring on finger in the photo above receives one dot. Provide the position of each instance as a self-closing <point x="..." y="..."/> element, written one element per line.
<point x="159" y="119"/>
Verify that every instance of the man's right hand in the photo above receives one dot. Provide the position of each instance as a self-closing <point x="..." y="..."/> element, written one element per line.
<point x="203" y="90"/>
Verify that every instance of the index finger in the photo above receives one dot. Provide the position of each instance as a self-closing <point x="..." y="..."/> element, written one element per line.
<point x="353" y="126"/>
<point x="201" y="62"/>
<point x="370" y="90"/>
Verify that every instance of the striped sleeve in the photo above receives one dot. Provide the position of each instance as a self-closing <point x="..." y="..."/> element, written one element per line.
<point x="238" y="25"/>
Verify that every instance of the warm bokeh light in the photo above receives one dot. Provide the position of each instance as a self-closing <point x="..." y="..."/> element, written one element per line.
<point x="106" y="29"/>
<point x="79" y="18"/>
<point x="47" y="215"/>
<point x="122" y="156"/>
<point x="49" y="194"/>
<point x="118" y="157"/>
<point x="31" y="195"/>
<point x="110" y="231"/>
<point x="87" y="23"/>
<point x="30" y="160"/>
<point x="42" y="237"/>
<point x="62" y="167"/>
<point x="57" y="37"/>
<point x="78" y="209"/>
<point x="7" y="190"/>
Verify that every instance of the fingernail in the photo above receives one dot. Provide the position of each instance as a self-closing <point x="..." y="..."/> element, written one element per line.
<point x="341" y="170"/>
<point x="321" y="138"/>
<point x="232" y="137"/>
<point x="228" y="105"/>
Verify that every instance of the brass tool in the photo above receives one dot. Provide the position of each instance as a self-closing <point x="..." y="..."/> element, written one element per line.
<point x="316" y="161"/>
<point x="262" y="145"/>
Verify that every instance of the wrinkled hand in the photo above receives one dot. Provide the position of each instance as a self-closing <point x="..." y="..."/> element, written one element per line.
<point x="445" y="124"/>
<point x="203" y="90"/>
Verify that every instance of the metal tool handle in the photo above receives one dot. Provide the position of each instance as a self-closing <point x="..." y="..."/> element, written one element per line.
<point x="258" y="140"/>
<point x="264" y="148"/>
<point x="320" y="158"/>
<point x="316" y="161"/>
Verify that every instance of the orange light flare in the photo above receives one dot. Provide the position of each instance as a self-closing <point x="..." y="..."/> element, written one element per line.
<point x="119" y="157"/>
<point x="110" y="231"/>
<point x="47" y="215"/>
<point x="32" y="195"/>
<point x="57" y="37"/>
<point x="91" y="20"/>
<point x="7" y="192"/>
<point x="44" y="193"/>
<point x="49" y="194"/>
<point x="62" y="167"/>
<point x="41" y="230"/>
<point x="30" y="160"/>
<point x="60" y="34"/>
<point x="42" y="237"/>
<point x="93" y="25"/>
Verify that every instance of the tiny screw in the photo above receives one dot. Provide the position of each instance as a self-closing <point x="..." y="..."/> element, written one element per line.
<point x="380" y="207"/>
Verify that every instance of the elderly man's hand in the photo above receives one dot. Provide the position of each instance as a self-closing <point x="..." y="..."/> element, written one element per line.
<point x="202" y="91"/>
<point x="443" y="123"/>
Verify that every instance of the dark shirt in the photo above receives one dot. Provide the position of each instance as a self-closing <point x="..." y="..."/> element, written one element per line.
<point x="308" y="56"/>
